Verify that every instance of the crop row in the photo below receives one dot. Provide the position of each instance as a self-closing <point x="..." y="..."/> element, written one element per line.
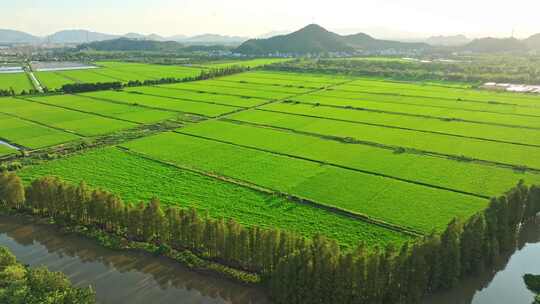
<point x="496" y="152"/>
<point x="440" y="172"/>
<point x="78" y="122"/>
<point x="236" y="101"/>
<point x="253" y="63"/>
<point x="439" y="103"/>
<point x="163" y="103"/>
<point x="458" y="128"/>
<point x="135" y="178"/>
<point x="204" y="86"/>
<point x="16" y="81"/>
<point x="328" y="98"/>
<point x="377" y="86"/>
<point x="306" y="78"/>
<point x="381" y="198"/>
<point x="31" y="135"/>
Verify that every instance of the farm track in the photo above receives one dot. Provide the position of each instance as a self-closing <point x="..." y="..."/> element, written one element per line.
<point x="417" y="115"/>
<point x="399" y="128"/>
<point x="297" y="199"/>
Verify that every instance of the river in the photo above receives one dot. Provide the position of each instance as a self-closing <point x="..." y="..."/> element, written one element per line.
<point x="135" y="277"/>
<point x="502" y="284"/>
<point x="119" y="276"/>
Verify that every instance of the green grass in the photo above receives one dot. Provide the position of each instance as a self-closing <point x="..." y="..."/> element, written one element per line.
<point x="31" y="135"/>
<point x="253" y="63"/>
<point x="86" y="76"/>
<point x="332" y="98"/>
<point x="135" y="178"/>
<point x="127" y="112"/>
<point x="459" y="128"/>
<point x="462" y="176"/>
<point x="17" y="81"/>
<point x="517" y="155"/>
<point x="163" y="103"/>
<point x="81" y="123"/>
<point x="230" y="100"/>
<point x="306" y="78"/>
<point x="381" y="198"/>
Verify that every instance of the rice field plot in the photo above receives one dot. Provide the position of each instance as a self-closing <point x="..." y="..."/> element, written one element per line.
<point x="336" y="187"/>
<point x="517" y="155"/>
<point x="52" y="80"/>
<point x="5" y="150"/>
<point x="68" y="120"/>
<point x="328" y="98"/>
<point x="307" y="78"/>
<point x="86" y="76"/>
<point x="236" y="101"/>
<point x="163" y="103"/>
<point x="135" y="178"/>
<point x="466" y="177"/>
<point x="148" y="71"/>
<point x="204" y="86"/>
<point x="257" y="86"/>
<point x="458" y="128"/>
<point x="386" y="87"/>
<point x="128" y="112"/>
<point x="31" y="135"/>
<point x="17" y="81"/>
<point x="245" y="78"/>
<point x="253" y="63"/>
<point x="442" y="103"/>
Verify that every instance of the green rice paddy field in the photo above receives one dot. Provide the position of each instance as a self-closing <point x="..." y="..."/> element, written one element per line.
<point x="372" y="160"/>
<point x="114" y="71"/>
<point x="17" y="81"/>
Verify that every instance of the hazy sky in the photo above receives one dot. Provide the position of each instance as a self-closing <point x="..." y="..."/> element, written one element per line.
<point x="255" y="17"/>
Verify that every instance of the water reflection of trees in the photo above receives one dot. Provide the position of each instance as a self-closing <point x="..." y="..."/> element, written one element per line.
<point x="166" y="273"/>
<point x="464" y="293"/>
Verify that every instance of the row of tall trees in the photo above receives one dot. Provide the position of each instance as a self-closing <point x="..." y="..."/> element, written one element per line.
<point x="296" y="270"/>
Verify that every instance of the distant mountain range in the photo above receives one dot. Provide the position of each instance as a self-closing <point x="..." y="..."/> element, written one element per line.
<point x="457" y="40"/>
<point x="84" y="36"/>
<point x="134" y="44"/>
<point x="311" y="39"/>
<point x="315" y="39"/>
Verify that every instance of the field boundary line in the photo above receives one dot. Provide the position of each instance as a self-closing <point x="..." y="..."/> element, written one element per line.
<point x="422" y="105"/>
<point x="139" y="105"/>
<point x="339" y="166"/>
<point x="78" y="110"/>
<point x="44" y="125"/>
<point x="268" y="84"/>
<point x="413" y="115"/>
<point x="188" y="99"/>
<point x="399" y="128"/>
<point x="355" y="141"/>
<point x="441" y="98"/>
<point x="297" y="199"/>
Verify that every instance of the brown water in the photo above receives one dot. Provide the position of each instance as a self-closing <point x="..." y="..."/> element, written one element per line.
<point x="118" y="276"/>
<point x="504" y="283"/>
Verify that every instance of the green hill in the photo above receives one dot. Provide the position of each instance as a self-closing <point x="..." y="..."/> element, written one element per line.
<point x="314" y="39"/>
